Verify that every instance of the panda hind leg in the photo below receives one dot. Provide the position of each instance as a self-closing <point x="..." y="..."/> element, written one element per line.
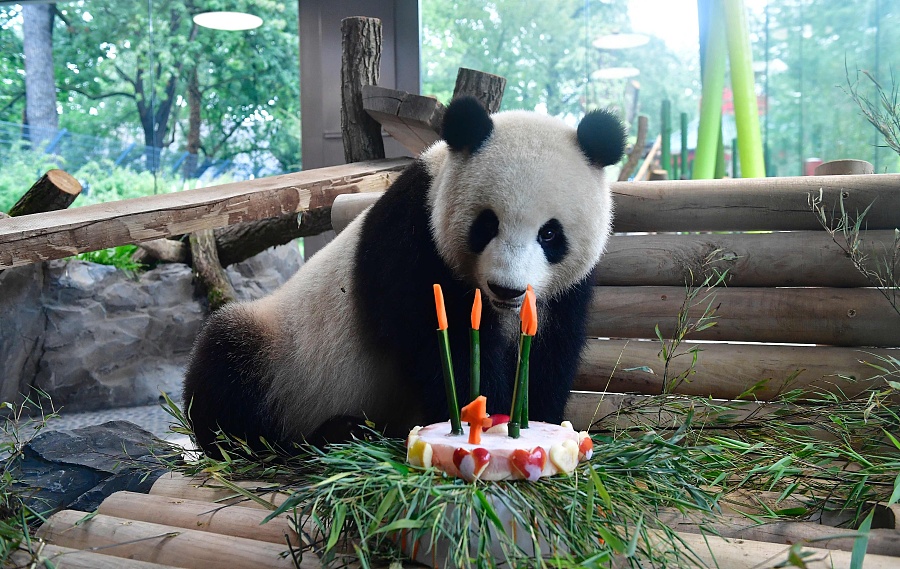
<point x="224" y="384"/>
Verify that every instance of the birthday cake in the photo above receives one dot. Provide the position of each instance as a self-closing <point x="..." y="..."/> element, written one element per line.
<point x="543" y="449"/>
<point x="498" y="447"/>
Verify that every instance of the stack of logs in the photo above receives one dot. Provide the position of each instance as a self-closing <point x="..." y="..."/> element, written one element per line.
<point x="194" y="523"/>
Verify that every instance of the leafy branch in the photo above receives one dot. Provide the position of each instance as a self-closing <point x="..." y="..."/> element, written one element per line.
<point x="847" y="233"/>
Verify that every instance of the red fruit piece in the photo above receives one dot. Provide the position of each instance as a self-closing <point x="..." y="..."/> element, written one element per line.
<point x="528" y="465"/>
<point x="471" y="464"/>
<point x="498" y="419"/>
<point x="586" y="448"/>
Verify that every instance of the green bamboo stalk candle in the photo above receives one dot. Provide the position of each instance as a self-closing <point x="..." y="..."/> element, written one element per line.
<point x="475" y="349"/>
<point x="519" y="413"/>
<point x="446" y="362"/>
<point x="710" y="128"/>
<point x="746" y="111"/>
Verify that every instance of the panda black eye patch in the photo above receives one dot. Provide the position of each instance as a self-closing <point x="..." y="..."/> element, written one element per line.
<point x="483" y="230"/>
<point x="553" y="241"/>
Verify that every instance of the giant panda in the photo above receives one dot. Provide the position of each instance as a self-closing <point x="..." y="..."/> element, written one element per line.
<point x="504" y="201"/>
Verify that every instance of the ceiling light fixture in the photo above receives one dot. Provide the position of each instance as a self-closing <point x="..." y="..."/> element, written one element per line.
<point x="615" y="73"/>
<point x="228" y="21"/>
<point x="620" y="41"/>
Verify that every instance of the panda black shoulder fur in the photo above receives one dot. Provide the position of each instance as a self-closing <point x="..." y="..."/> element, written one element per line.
<point x="507" y="200"/>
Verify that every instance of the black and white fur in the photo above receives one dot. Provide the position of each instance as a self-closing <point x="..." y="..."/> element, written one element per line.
<point x="514" y="199"/>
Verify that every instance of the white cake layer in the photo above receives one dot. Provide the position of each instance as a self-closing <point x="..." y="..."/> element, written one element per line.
<point x="501" y="447"/>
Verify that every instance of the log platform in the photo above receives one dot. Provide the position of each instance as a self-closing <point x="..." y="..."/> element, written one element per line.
<point x="193" y="523"/>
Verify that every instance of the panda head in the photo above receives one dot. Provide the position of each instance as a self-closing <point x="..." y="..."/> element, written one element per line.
<point x="521" y="198"/>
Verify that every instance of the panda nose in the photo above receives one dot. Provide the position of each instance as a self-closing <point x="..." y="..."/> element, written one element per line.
<point x="504" y="293"/>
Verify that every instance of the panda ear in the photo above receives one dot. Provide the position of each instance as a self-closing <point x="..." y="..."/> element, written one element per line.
<point x="601" y="136"/>
<point x="466" y="125"/>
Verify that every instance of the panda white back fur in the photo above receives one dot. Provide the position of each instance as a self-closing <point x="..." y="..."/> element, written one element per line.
<point x="510" y="200"/>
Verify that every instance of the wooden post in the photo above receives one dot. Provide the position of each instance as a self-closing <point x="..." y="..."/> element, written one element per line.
<point x="666" y="133"/>
<point x="54" y="190"/>
<point x="844" y="168"/>
<point x="208" y="270"/>
<point x="487" y="88"/>
<point x="360" y="63"/>
<point x="637" y="150"/>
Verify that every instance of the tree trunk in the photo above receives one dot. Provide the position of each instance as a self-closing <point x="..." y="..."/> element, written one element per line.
<point x="193" y="131"/>
<point x="208" y="271"/>
<point x="54" y="190"/>
<point x="360" y="63"/>
<point x="40" y="86"/>
<point x="487" y="88"/>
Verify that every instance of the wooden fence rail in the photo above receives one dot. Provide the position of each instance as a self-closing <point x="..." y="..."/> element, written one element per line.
<point x="59" y="234"/>
<point x="772" y="204"/>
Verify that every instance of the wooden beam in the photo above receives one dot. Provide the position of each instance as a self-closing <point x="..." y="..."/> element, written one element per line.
<point x="783" y="259"/>
<point x="840" y="317"/>
<point x="70" y="558"/>
<point x="725" y="371"/>
<point x="412" y="120"/>
<point x="750" y="204"/>
<point x="59" y="234"/>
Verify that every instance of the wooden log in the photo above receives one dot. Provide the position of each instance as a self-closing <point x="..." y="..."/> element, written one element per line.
<point x="487" y="88"/>
<point x="412" y="120"/>
<point x="783" y="259"/>
<point x="209" y="275"/>
<point x="844" y="167"/>
<point x="164" y="250"/>
<point x="164" y="544"/>
<point x="360" y="66"/>
<point x="54" y="235"/>
<point x="840" y="317"/>
<point x="584" y="409"/>
<point x="53" y="191"/>
<point x="238" y="521"/>
<point x="746" y="554"/>
<point x="175" y="485"/>
<point x="658" y="174"/>
<point x="346" y="208"/>
<point x="725" y="371"/>
<point x="637" y="150"/>
<point x="644" y="170"/>
<point x="69" y="558"/>
<point x="752" y="204"/>
<point x="881" y="541"/>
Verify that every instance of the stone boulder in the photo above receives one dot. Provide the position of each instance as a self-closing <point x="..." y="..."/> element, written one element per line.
<point x="78" y="469"/>
<point x="94" y="337"/>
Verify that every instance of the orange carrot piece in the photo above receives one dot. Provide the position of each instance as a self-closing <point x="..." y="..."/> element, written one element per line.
<point x="529" y="313"/>
<point x="439" y="305"/>
<point x="476" y="310"/>
<point x="475" y="413"/>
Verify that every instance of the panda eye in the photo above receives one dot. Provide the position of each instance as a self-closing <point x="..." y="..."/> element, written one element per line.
<point x="552" y="240"/>
<point x="485" y="227"/>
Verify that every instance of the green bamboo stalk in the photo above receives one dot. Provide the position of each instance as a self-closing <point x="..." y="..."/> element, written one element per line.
<point x="684" y="146"/>
<point x="746" y="113"/>
<point x="520" y="389"/>
<point x="474" y="364"/>
<point x="709" y="130"/>
<point x="720" y="171"/>
<point x="734" y="158"/>
<point x="449" y="383"/>
<point x="666" y="134"/>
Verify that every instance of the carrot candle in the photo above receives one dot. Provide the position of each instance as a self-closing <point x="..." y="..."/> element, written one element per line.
<point x="475" y="413"/>
<point x="475" y="349"/>
<point x="446" y="362"/>
<point x="519" y="414"/>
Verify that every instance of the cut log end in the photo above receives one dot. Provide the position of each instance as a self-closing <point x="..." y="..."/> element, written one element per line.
<point x="55" y="190"/>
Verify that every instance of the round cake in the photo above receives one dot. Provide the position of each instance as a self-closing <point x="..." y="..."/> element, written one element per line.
<point x="543" y="449"/>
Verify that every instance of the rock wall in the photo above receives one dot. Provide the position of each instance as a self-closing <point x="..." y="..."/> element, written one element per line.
<point x="95" y="337"/>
